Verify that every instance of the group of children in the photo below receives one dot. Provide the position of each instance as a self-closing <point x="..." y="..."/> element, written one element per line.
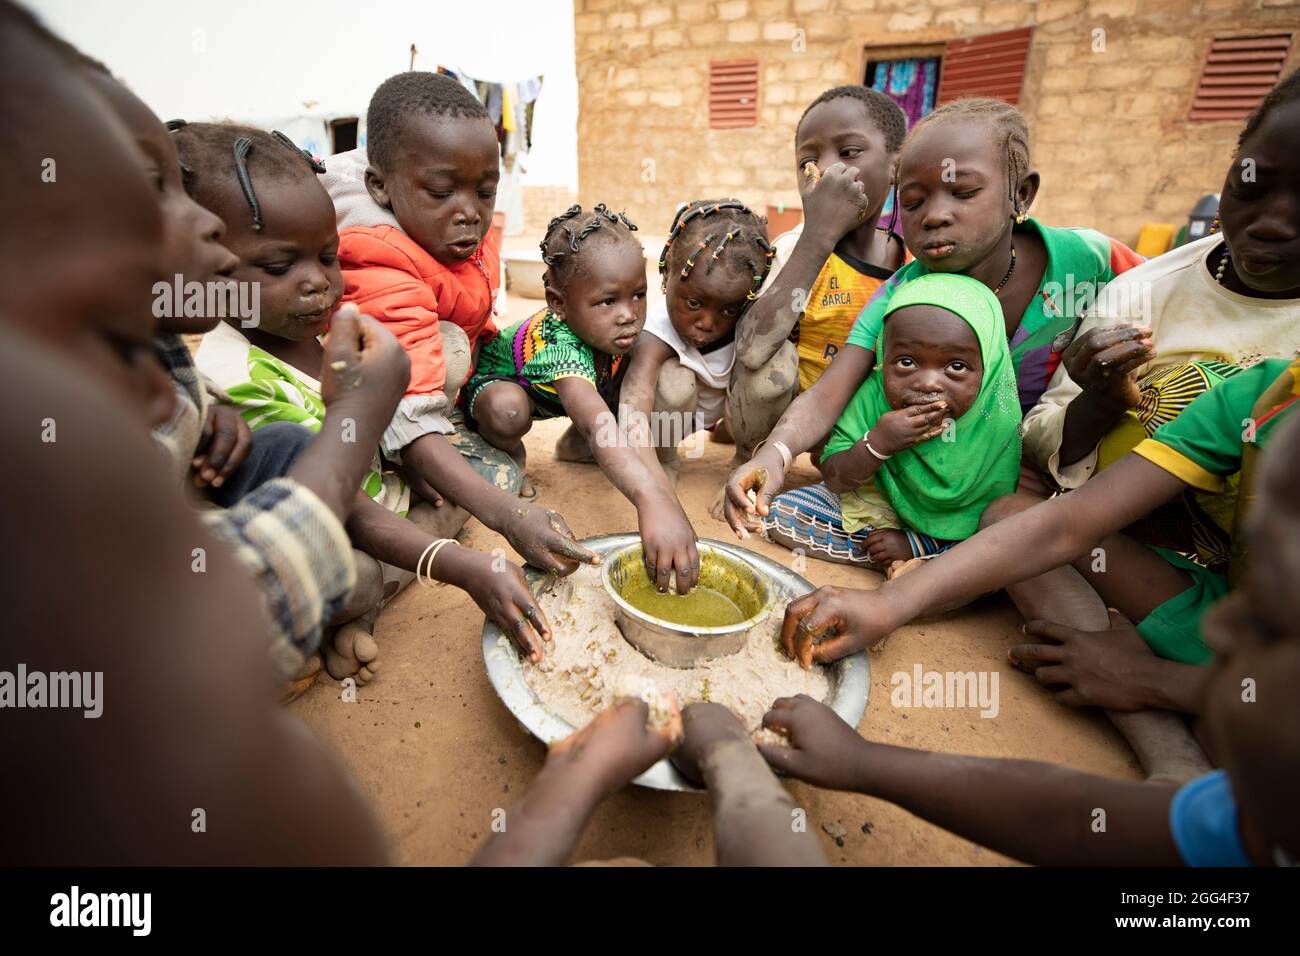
<point x="941" y="370"/>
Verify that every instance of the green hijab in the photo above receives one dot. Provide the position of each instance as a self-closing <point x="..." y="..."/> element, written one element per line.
<point x="941" y="487"/>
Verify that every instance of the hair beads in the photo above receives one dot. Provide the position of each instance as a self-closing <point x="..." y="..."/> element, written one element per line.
<point x="739" y="216"/>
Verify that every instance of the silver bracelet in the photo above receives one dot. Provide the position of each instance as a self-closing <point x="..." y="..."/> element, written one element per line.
<point x="786" y="457"/>
<point x="866" y="440"/>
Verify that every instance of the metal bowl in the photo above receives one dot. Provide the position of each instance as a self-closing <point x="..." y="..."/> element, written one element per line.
<point x="682" y="645"/>
<point x="850" y="678"/>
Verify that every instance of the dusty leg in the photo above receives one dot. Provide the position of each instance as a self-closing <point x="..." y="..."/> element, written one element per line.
<point x="1161" y="739"/>
<point x="757" y="399"/>
<point x="676" y="395"/>
<point x="753" y="814"/>
<point x="457" y="358"/>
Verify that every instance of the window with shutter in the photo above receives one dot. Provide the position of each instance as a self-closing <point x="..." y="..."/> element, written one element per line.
<point x="990" y="65"/>
<point x="733" y="93"/>
<point x="1238" y="72"/>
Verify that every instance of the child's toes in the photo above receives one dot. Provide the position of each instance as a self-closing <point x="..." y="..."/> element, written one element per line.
<point x="365" y="648"/>
<point x="340" y="658"/>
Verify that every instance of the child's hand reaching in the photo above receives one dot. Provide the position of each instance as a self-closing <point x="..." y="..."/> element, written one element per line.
<point x="618" y="745"/>
<point x="668" y="543"/>
<point x="705" y="726"/>
<point x="223" y="446"/>
<point x="908" y="427"/>
<point x="544" y="540"/>
<point x="500" y="590"/>
<point x="834" y="199"/>
<point x="764" y="476"/>
<point x="823" y="749"/>
<point x="843" y="616"/>
<point x="1110" y="669"/>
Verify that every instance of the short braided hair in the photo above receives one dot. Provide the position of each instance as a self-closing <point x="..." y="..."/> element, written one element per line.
<point x="415" y="93"/>
<point x="213" y="153"/>
<point x="1009" y="130"/>
<point x="727" y="226"/>
<point x="562" y="245"/>
<point x="1286" y="91"/>
<point x="887" y="115"/>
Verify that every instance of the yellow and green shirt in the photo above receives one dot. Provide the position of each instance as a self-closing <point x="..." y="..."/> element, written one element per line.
<point x="840" y="292"/>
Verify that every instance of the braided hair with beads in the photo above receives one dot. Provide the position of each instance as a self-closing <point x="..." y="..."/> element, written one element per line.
<point x="730" y="225"/>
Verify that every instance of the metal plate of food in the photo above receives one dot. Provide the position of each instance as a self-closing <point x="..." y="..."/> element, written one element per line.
<point x="850" y="678"/>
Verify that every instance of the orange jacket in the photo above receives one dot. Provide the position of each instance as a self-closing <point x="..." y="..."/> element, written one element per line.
<point x="395" y="280"/>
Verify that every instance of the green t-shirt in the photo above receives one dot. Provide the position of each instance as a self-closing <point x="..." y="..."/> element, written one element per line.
<point x="537" y="352"/>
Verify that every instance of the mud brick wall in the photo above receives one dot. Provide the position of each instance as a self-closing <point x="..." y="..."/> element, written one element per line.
<point x="1108" y="129"/>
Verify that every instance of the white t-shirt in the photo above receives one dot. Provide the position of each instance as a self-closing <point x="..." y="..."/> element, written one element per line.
<point x="712" y="369"/>
<point x="1192" y="318"/>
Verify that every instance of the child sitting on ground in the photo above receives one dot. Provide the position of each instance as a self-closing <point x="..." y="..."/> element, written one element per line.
<point x="826" y="268"/>
<point x="927" y="442"/>
<point x="964" y="186"/>
<point x="281" y="226"/>
<point x="414" y="211"/>
<point x="1242" y="814"/>
<point x="291" y="543"/>
<point x="751" y="810"/>
<point x="569" y="359"/>
<point x="712" y="266"/>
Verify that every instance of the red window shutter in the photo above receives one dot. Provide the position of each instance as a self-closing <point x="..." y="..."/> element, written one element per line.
<point x="991" y="65"/>
<point x="1238" y="73"/>
<point x="733" y="93"/>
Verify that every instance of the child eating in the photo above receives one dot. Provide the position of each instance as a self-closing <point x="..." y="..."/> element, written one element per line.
<point x="569" y="359"/>
<point x="964" y="186"/>
<point x="281" y="226"/>
<point x="945" y="370"/>
<point x="825" y="269"/>
<point x="712" y="266"/>
<point x="413" y="212"/>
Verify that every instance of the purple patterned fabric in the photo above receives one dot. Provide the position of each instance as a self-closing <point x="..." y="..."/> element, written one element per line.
<point x="911" y="84"/>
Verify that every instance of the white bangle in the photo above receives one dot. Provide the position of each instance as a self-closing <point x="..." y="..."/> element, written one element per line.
<point x="423" y="567"/>
<point x="786" y="457"/>
<point x="866" y="440"/>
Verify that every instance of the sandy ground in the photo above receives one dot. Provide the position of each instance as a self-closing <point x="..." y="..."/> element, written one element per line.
<point x="437" y="752"/>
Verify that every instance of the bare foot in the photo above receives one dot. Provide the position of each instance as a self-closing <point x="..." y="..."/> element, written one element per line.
<point x="351" y="652"/>
<point x="572" y="446"/>
<point x="888" y="545"/>
<point x="897" y="569"/>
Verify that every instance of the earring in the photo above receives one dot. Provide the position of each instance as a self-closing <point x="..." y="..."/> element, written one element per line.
<point x="1223" y="265"/>
<point x="1214" y="226"/>
<point x="1020" y="215"/>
